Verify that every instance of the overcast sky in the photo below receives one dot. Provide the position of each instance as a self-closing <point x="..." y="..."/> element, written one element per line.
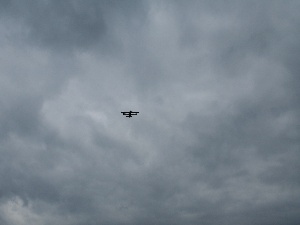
<point x="217" y="139"/>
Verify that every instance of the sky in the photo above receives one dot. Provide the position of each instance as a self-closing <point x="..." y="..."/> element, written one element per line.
<point x="216" y="85"/>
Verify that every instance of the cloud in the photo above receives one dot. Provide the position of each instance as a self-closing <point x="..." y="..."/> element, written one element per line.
<point x="70" y="25"/>
<point x="217" y="137"/>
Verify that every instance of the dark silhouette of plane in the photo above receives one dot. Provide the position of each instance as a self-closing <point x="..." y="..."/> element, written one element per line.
<point x="130" y="113"/>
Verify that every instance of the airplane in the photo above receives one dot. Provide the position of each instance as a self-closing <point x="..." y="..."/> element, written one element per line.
<point x="130" y="113"/>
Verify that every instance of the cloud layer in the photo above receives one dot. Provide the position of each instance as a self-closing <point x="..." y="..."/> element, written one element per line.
<point x="217" y="137"/>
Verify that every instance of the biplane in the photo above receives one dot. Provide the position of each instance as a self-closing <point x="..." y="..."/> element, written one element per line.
<point x="130" y="113"/>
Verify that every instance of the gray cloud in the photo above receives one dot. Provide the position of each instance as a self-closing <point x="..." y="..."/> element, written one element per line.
<point x="71" y="25"/>
<point x="217" y="137"/>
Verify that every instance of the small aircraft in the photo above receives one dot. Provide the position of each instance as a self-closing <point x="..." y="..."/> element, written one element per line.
<point x="130" y="113"/>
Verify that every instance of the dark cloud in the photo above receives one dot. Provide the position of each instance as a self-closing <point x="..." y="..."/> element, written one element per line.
<point x="217" y="137"/>
<point x="72" y="25"/>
